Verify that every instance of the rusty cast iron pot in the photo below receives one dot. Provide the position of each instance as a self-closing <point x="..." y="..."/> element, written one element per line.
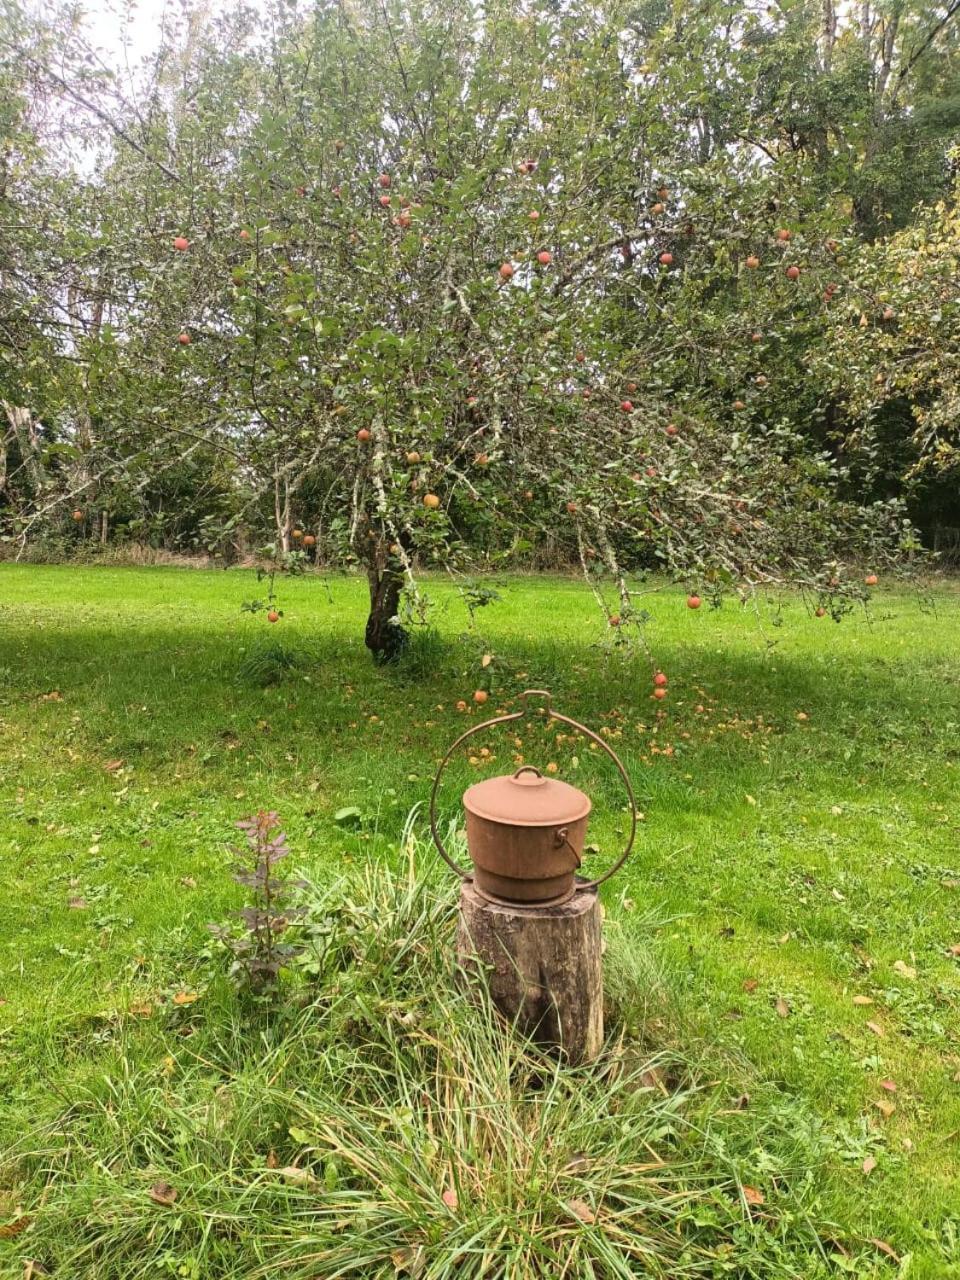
<point x="526" y="832"/>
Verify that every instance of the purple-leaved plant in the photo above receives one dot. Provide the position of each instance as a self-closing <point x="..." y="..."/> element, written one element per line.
<point x="258" y="945"/>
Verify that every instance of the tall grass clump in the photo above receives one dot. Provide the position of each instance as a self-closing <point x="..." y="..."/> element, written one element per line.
<point x="375" y="1122"/>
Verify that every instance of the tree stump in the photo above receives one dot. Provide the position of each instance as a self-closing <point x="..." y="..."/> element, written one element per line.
<point x="542" y="966"/>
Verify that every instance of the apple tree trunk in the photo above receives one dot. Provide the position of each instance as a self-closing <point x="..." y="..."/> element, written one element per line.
<point x="385" y="637"/>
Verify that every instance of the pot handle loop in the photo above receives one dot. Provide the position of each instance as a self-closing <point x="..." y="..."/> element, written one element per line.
<point x="487" y="724"/>
<point x="544" y="697"/>
<point x="584" y="886"/>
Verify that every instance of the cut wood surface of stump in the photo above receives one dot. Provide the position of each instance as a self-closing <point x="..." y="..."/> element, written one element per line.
<point x="542" y="966"/>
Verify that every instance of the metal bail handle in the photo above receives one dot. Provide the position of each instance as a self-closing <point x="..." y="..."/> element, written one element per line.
<point x="543" y="695"/>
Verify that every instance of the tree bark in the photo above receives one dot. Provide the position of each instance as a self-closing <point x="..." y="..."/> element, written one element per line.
<point x="542" y="966"/>
<point x="385" y="637"/>
<point x="281" y="512"/>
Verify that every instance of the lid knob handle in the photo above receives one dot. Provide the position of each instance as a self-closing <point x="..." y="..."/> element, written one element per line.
<point x="528" y="768"/>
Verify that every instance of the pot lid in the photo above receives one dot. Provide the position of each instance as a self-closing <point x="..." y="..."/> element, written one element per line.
<point x="526" y="799"/>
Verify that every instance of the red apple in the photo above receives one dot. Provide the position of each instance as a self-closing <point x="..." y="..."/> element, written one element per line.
<point x="820" y="611"/>
<point x="871" y="580"/>
<point x="660" y="680"/>
<point x="656" y="209"/>
<point x="363" y="435"/>
<point x="670" y="429"/>
<point x="384" y="202"/>
<point x="273" y="616"/>
<point x="431" y="501"/>
<point x="793" y="273"/>
<point x="244" y="234"/>
<point x="572" y="508"/>
<point x="626" y="406"/>
<point x="784" y="235"/>
<point x="694" y="602"/>
<point x="385" y="180"/>
<point x="309" y="540"/>
<point x="181" y="243"/>
<point x="753" y="262"/>
<point x="506" y="271"/>
<point x="666" y="259"/>
<point x="614" y="620"/>
<point x="534" y="215"/>
<point x="659" y="694"/>
<point x="184" y="339"/>
<point x="738" y="405"/>
<point x="544" y="258"/>
<point x="78" y="515"/>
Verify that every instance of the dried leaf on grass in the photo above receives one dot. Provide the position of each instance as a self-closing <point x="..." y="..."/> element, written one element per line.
<point x="163" y="1193"/>
<point x="409" y="1261"/>
<point x="885" y="1248"/>
<point x="10" y="1230"/>
<point x="582" y="1211"/>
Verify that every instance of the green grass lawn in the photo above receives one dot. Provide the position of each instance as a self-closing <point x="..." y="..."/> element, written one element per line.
<point x="798" y="863"/>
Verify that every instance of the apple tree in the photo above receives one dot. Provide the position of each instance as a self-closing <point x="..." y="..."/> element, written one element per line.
<point x="417" y="278"/>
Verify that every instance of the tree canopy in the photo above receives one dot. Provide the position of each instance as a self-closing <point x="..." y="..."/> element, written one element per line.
<point x="427" y="283"/>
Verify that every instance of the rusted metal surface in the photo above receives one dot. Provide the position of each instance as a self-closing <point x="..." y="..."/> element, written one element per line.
<point x="526" y="832"/>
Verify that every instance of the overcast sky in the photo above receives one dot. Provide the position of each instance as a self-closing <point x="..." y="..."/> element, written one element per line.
<point x="126" y="31"/>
